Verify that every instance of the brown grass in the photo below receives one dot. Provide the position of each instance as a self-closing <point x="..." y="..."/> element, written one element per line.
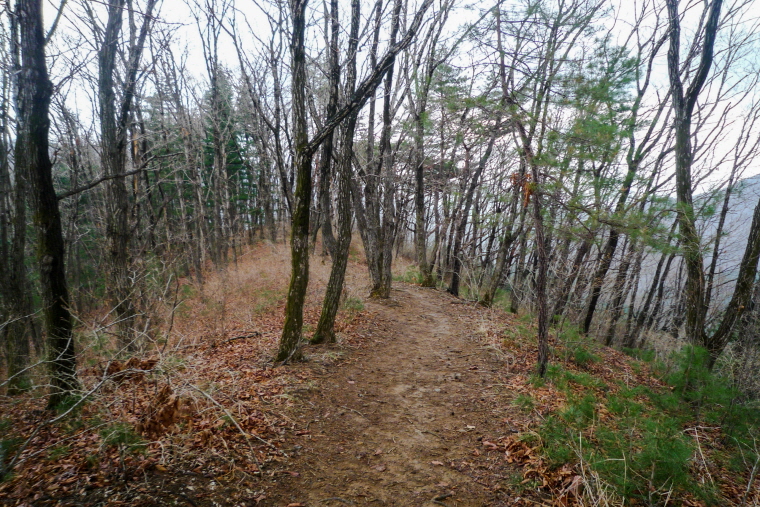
<point x="202" y="395"/>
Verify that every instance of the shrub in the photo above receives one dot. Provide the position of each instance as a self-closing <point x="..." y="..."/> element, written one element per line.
<point x="411" y="275"/>
<point x="640" y="448"/>
<point x="353" y="304"/>
<point x="524" y="402"/>
<point x="583" y="357"/>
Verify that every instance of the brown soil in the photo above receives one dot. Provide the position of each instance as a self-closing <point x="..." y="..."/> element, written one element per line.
<point x="402" y="420"/>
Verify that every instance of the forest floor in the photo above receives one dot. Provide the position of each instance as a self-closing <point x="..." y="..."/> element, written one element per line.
<point x="406" y="409"/>
<point x="402" y="422"/>
<point x="426" y="399"/>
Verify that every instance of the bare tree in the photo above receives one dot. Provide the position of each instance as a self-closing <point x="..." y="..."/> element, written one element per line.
<point x="114" y="119"/>
<point x="684" y="101"/>
<point x="304" y="151"/>
<point x="33" y="93"/>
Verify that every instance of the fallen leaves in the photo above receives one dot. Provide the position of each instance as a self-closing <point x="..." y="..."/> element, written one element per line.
<point x="163" y="412"/>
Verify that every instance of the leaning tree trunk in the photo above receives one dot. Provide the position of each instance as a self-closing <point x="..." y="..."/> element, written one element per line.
<point x="325" y="328"/>
<point x="618" y="293"/>
<point x="492" y="284"/>
<point x="745" y="280"/>
<point x="34" y="90"/>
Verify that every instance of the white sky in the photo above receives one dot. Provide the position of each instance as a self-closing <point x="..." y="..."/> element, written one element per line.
<point x="176" y="13"/>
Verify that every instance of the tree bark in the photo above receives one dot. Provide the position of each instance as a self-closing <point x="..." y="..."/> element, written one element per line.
<point x="683" y="105"/>
<point x="15" y="297"/>
<point x="742" y="292"/>
<point x="34" y="91"/>
<point x="325" y="328"/>
<point x="325" y="159"/>
<point x="462" y="225"/>
<point x="113" y="128"/>
<point x="290" y="341"/>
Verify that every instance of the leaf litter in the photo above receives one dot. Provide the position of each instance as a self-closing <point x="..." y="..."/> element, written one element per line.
<point x="415" y="404"/>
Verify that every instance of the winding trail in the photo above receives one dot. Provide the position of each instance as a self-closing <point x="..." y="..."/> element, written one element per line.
<point x="399" y="422"/>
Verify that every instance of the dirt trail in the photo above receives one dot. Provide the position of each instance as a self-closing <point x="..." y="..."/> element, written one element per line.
<point x="401" y="421"/>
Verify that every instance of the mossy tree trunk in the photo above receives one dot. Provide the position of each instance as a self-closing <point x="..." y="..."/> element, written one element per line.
<point x="34" y="91"/>
<point x="325" y="328"/>
<point x="290" y="340"/>
<point x="17" y="310"/>
<point x="15" y="298"/>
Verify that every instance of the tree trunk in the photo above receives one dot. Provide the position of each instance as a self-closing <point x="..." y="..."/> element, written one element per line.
<point x="420" y="229"/>
<point x="462" y="226"/>
<point x="34" y="90"/>
<point x="16" y="294"/>
<point x="742" y="292"/>
<point x="290" y="340"/>
<point x="381" y="195"/>
<point x="113" y="128"/>
<point x="618" y="293"/>
<point x="15" y="297"/>
<point x="718" y="237"/>
<point x="325" y="328"/>
<point x="325" y="159"/>
<point x="501" y="262"/>
<point x="683" y="106"/>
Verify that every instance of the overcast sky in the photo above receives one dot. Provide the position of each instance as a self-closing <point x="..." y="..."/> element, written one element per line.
<point x="176" y="14"/>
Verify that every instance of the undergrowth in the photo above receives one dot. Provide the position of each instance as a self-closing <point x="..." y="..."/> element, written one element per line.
<point x="411" y="274"/>
<point x="647" y="443"/>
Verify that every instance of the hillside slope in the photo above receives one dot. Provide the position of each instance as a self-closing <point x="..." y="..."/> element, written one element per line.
<point x="426" y="400"/>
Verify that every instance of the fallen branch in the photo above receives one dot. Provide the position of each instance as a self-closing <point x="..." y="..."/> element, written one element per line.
<point x="242" y="432"/>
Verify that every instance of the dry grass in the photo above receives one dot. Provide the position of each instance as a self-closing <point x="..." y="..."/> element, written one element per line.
<point x="201" y="394"/>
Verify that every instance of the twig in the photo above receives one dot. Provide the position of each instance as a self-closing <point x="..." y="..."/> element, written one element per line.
<point x="94" y="183"/>
<point x="752" y="476"/>
<point x="702" y="455"/>
<point x="183" y="497"/>
<point x="17" y="458"/>
<point x="242" y="432"/>
<point x="352" y="410"/>
<point x="175" y="304"/>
